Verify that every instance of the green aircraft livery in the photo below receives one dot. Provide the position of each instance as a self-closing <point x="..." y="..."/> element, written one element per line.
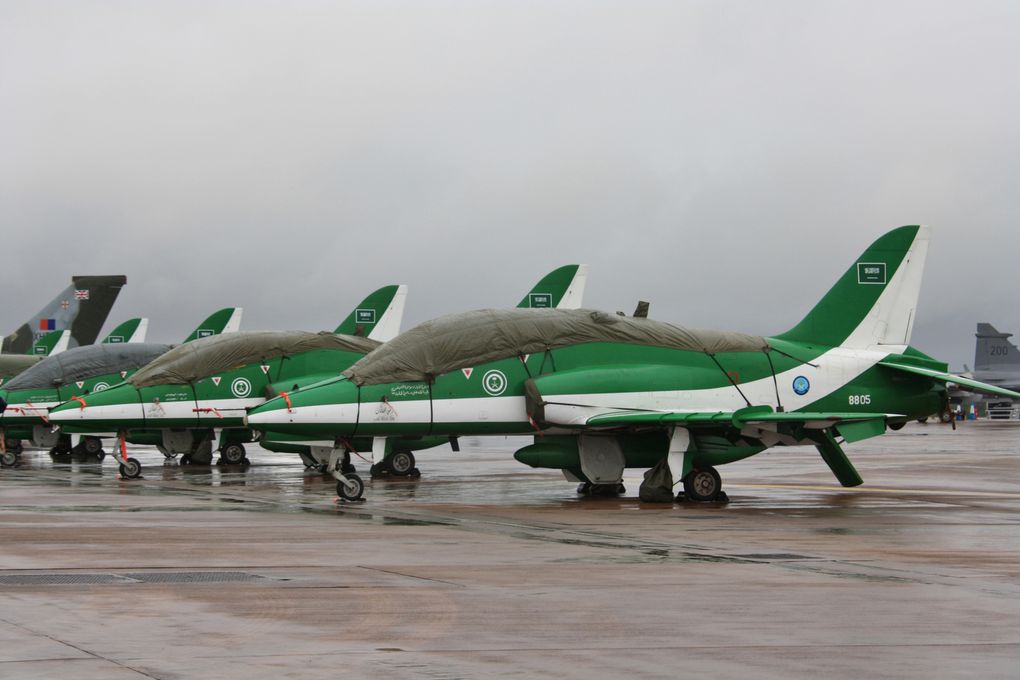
<point x="603" y="392"/>
<point x="182" y="399"/>
<point x="561" y="288"/>
<point x="79" y="374"/>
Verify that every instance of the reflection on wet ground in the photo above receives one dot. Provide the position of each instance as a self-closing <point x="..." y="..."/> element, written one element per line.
<point x="483" y="567"/>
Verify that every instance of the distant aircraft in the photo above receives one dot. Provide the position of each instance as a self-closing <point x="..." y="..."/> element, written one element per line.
<point x="76" y="374"/>
<point x="81" y="308"/>
<point x="996" y="359"/>
<point x="602" y="392"/>
<point x="183" y="399"/>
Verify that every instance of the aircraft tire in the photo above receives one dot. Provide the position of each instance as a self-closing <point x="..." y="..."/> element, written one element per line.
<point x="130" y="469"/>
<point x="896" y="426"/>
<point x="9" y="459"/>
<point x="232" y="454"/>
<point x="353" y="490"/>
<point x="186" y="459"/>
<point x="401" y="463"/>
<point x="92" y="446"/>
<point x="703" y="485"/>
<point x="946" y="416"/>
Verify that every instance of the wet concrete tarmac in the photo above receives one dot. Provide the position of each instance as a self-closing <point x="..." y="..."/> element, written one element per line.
<point x="486" y="568"/>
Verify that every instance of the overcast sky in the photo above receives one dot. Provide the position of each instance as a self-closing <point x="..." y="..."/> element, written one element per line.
<point x="724" y="160"/>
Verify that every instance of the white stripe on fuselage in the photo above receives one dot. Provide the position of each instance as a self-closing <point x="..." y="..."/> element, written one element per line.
<point x="831" y="372"/>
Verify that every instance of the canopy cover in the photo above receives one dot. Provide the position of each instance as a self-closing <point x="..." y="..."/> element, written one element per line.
<point x="220" y="353"/>
<point x="81" y="363"/>
<point x="13" y="364"/>
<point x="471" y="338"/>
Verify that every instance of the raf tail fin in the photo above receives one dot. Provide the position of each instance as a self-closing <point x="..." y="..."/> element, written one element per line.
<point x="561" y="288"/>
<point x="993" y="350"/>
<point x="378" y="316"/>
<point x="226" y="320"/>
<point x="875" y="301"/>
<point x="81" y="308"/>
<point x="132" y="330"/>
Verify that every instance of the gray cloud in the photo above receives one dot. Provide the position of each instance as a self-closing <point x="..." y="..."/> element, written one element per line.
<point x="724" y="160"/>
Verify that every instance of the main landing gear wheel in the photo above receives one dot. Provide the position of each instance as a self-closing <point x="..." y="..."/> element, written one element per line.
<point x="9" y="459"/>
<point x="232" y="454"/>
<point x="351" y="490"/>
<point x="92" y="446"/>
<point x="946" y="416"/>
<point x="703" y="485"/>
<point x="401" y="463"/>
<point x="130" y="469"/>
<point x="186" y="459"/>
<point x="589" y="489"/>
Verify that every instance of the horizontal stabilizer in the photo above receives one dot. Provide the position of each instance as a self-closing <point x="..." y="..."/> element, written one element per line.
<point x="967" y="383"/>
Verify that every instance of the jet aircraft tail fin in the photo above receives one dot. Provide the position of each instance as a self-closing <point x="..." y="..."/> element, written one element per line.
<point x="378" y="316"/>
<point x="132" y="330"/>
<point x="81" y="308"/>
<point x="562" y="288"/>
<point x="226" y="320"/>
<point x="875" y="301"/>
<point x="51" y="343"/>
<point x="993" y="350"/>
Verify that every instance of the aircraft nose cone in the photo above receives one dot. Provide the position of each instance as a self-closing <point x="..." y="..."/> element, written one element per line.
<point x="330" y="408"/>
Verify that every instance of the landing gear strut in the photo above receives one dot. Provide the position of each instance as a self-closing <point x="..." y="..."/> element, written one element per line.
<point x="348" y="485"/>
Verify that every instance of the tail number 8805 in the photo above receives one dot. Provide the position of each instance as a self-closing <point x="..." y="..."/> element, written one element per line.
<point x="860" y="399"/>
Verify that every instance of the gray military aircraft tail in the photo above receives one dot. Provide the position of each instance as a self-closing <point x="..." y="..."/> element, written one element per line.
<point x="996" y="359"/>
<point x="81" y="308"/>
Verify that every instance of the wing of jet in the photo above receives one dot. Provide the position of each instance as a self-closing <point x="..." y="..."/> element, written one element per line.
<point x="132" y="330"/>
<point x="81" y="308"/>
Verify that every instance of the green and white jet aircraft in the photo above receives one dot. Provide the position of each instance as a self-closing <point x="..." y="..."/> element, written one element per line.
<point x="562" y="288"/>
<point x="603" y="392"/>
<point x="181" y="400"/>
<point x="77" y="375"/>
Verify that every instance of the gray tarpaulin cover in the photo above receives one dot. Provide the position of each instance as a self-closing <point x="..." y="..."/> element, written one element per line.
<point x="471" y="338"/>
<point x="13" y="364"/>
<point x="81" y="363"/>
<point x="220" y="353"/>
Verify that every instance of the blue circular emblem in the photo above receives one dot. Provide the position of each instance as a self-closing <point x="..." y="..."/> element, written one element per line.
<point x="801" y="385"/>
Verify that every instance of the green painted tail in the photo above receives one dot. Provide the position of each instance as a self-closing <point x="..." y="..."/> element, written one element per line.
<point x="875" y="301"/>
<point x="226" y="320"/>
<point x="378" y="316"/>
<point x="561" y="288"/>
<point x="51" y="343"/>
<point x="132" y="330"/>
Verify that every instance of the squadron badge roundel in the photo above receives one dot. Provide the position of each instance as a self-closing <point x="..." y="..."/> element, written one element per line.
<point x="100" y="386"/>
<point x="494" y="383"/>
<point x="801" y="385"/>
<point x="241" y="387"/>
